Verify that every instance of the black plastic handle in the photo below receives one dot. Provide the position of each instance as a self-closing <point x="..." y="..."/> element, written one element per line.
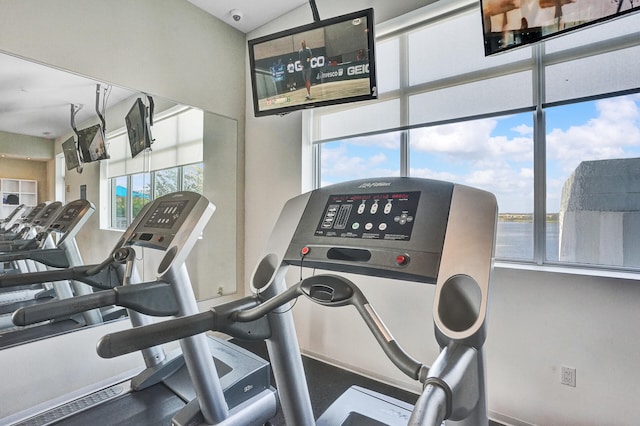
<point x="62" y="308"/>
<point x="127" y="341"/>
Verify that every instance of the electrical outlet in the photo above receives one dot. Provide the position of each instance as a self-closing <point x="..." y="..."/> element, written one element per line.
<point x="568" y="376"/>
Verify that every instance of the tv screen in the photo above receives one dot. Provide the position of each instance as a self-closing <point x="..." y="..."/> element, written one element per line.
<point x="512" y="23"/>
<point x="324" y="63"/>
<point x="138" y="128"/>
<point x="91" y="144"/>
<point x="70" y="154"/>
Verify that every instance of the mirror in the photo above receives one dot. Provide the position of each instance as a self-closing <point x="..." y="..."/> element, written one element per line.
<point x="35" y="118"/>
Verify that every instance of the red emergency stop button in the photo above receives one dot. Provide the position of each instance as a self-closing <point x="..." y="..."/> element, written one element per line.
<point x="305" y="251"/>
<point x="402" y="259"/>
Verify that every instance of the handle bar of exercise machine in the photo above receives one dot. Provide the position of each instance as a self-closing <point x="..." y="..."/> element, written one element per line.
<point x="150" y="298"/>
<point x="55" y="257"/>
<point x="327" y="290"/>
<point x="100" y="276"/>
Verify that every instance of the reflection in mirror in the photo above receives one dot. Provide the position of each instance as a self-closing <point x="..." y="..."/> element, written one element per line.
<point x="190" y="148"/>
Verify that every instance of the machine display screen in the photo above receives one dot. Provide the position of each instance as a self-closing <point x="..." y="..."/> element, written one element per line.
<point x="166" y="214"/>
<point x="383" y="216"/>
<point x="70" y="214"/>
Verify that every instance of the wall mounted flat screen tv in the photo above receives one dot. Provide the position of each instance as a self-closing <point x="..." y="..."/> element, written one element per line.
<point x="70" y="153"/>
<point x="91" y="144"/>
<point x="509" y="24"/>
<point x="327" y="62"/>
<point x="138" y="128"/>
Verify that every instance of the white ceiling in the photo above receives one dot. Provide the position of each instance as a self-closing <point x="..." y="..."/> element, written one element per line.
<point x="255" y="13"/>
<point x="36" y="100"/>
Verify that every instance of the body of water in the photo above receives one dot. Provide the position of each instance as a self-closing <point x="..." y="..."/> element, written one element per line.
<point x="515" y="240"/>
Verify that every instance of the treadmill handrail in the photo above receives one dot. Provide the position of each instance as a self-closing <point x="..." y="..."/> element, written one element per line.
<point x="154" y="298"/>
<point x="55" y="257"/>
<point x="103" y="279"/>
<point x="120" y="343"/>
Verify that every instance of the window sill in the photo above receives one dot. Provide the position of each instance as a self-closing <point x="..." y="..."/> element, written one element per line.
<point x="570" y="270"/>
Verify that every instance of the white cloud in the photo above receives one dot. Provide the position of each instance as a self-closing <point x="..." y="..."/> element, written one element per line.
<point x="609" y="135"/>
<point x="338" y="165"/>
<point x="472" y="141"/>
<point x="524" y="130"/>
<point x="469" y="154"/>
<point x="460" y="139"/>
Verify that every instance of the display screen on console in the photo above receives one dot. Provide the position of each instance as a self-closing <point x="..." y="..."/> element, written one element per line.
<point x="384" y="216"/>
<point x="166" y="214"/>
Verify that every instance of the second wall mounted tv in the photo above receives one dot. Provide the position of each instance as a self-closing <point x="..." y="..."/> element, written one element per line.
<point x="509" y="24"/>
<point x="138" y="128"/>
<point x="327" y="62"/>
<point x="91" y="144"/>
<point x="70" y="154"/>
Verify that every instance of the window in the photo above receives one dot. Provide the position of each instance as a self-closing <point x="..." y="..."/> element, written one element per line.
<point x="361" y="157"/>
<point x="173" y="164"/>
<point x="494" y="154"/>
<point x="553" y="130"/>
<point x="166" y="181"/>
<point x="593" y="182"/>
<point x="130" y="193"/>
<point x="120" y="217"/>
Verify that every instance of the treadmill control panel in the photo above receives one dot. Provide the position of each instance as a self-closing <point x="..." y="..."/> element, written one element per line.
<point x="390" y="227"/>
<point x="172" y="224"/>
<point x="165" y="215"/>
<point x="46" y="214"/>
<point x="160" y="224"/>
<point x="70" y="216"/>
<point x="66" y="217"/>
<point x="383" y="216"/>
<point x="167" y="221"/>
<point x="33" y="213"/>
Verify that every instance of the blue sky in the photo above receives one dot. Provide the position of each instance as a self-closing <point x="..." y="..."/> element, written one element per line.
<point x="497" y="154"/>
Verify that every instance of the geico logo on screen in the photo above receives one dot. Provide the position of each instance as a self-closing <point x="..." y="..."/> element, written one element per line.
<point x="319" y="62"/>
<point x="358" y="69"/>
<point x="316" y="62"/>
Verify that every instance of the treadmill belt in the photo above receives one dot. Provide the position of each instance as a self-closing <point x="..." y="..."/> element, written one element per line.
<point x="154" y="406"/>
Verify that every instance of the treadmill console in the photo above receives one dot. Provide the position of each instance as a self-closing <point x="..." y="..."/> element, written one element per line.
<point x="393" y="228"/>
<point x="160" y="224"/>
<point x="47" y="213"/>
<point x="66" y="217"/>
<point x="385" y="216"/>
<point x="70" y="219"/>
<point x="171" y="223"/>
<point x="33" y="213"/>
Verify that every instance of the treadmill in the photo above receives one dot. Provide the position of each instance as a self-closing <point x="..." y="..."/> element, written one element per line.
<point x="54" y="247"/>
<point x="12" y="218"/>
<point x="403" y="229"/>
<point x="20" y="229"/>
<point x="185" y="389"/>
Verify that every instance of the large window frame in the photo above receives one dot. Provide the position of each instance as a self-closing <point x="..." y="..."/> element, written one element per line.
<point x="536" y="63"/>
<point x="178" y="146"/>
<point x="121" y="221"/>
